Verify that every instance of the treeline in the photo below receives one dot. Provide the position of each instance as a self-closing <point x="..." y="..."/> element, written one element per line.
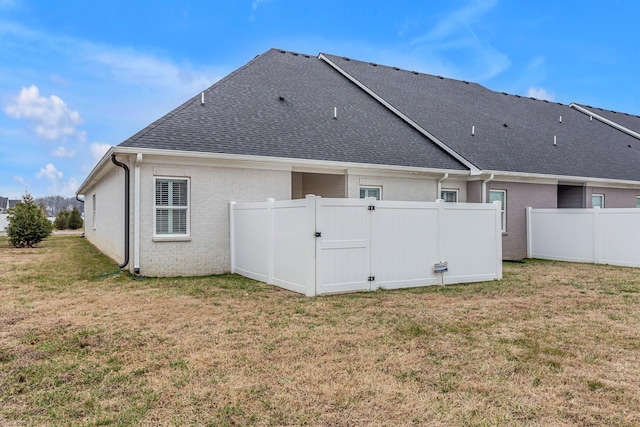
<point x="53" y="205"/>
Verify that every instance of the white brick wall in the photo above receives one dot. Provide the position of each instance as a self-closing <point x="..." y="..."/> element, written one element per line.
<point x="108" y="234"/>
<point x="212" y="188"/>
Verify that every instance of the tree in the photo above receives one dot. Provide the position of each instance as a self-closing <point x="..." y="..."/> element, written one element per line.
<point x="28" y="223"/>
<point x="62" y="220"/>
<point x="74" y="221"/>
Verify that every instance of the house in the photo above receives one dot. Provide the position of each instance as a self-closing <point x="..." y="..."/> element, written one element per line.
<point x="4" y="205"/>
<point x="286" y="124"/>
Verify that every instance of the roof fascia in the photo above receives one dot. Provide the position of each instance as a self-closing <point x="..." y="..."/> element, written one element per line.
<point x="474" y="170"/>
<point x="264" y="162"/>
<point x="605" y="120"/>
<point x="554" y="179"/>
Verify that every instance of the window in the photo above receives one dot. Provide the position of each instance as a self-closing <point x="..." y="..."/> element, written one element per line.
<point x="93" y="219"/>
<point x="597" y="200"/>
<point x="172" y="207"/>
<point x="449" y="195"/>
<point x="500" y="196"/>
<point x="375" y="192"/>
<point x="638" y="202"/>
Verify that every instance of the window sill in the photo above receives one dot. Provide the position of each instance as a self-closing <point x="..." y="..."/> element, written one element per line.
<point x="171" y="238"/>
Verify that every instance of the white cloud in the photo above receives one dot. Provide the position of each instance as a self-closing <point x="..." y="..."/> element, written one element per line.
<point x="58" y="185"/>
<point x="62" y="152"/>
<point x="50" y="172"/>
<point x="98" y="150"/>
<point x="132" y="67"/>
<point x="51" y="117"/>
<point x="540" y="93"/>
<point x="454" y="43"/>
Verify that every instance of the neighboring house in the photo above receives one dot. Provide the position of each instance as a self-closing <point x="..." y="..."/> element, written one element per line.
<point x="286" y="125"/>
<point x="4" y="205"/>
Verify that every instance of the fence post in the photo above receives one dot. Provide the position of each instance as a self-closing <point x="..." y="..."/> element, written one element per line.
<point x="310" y="211"/>
<point x="232" y="237"/>
<point x="529" y="234"/>
<point x="440" y="226"/>
<point x="270" y="241"/>
<point x="497" y="205"/>
<point x="596" y="235"/>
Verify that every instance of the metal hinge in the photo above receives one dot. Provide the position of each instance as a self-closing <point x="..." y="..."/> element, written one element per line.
<point x="372" y="208"/>
<point x="317" y="234"/>
<point x="371" y="279"/>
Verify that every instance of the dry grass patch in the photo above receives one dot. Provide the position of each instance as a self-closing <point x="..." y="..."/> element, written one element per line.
<point x="551" y="344"/>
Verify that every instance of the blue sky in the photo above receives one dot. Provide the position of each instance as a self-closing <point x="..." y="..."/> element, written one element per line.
<point x="77" y="77"/>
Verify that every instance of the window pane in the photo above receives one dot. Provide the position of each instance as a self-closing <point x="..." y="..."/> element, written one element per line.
<point x="497" y="196"/>
<point x="637" y="202"/>
<point x="597" y="200"/>
<point x="370" y="192"/>
<point x="162" y="221"/>
<point x="162" y="192"/>
<point x="449" y="196"/>
<point x="179" y="193"/>
<point x="179" y="221"/>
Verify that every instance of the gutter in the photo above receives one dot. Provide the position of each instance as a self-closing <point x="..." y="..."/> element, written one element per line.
<point x="126" y="210"/>
<point x="484" y="188"/>
<point x="439" y="190"/>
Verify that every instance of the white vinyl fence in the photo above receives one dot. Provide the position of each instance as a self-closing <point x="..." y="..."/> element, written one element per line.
<point x="318" y="246"/>
<point x="601" y="236"/>
<point x="3" y="222"/>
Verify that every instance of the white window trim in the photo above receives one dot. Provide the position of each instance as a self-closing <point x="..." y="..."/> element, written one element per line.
<point x="597" y="195"/>
<point x="503" y="209"/>
<point x="449" y="190"/>
<point x="378" y="187"/>
<point x="172" y="237"/>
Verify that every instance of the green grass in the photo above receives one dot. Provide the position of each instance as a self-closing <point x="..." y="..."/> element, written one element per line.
<point x="551" y="344"/>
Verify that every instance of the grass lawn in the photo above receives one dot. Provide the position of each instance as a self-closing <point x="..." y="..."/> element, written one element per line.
<point x="81" y="344"/>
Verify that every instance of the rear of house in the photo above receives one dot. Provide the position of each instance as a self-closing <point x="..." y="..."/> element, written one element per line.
<point x="286" y="125"/>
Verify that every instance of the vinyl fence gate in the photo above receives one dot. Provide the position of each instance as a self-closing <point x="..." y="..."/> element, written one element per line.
<point x="319" y="246"/>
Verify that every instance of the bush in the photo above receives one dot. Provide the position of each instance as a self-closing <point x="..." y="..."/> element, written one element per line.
<point x="62" y="220"/>
<point x="28" y="223"/>
<point x="68" y="220"/>
<point x="74" y="221"/>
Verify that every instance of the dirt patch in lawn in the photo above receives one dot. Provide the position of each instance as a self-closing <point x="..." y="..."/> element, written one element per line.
<point x="551" y="344"/>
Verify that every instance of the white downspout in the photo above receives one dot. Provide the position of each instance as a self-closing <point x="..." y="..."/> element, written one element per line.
<point x="136" y="215"/>
<point x="439" y="190"/>
<point x="484" y="188"/>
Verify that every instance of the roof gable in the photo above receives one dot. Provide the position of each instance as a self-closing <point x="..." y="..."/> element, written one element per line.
<point x="288" y="105"/>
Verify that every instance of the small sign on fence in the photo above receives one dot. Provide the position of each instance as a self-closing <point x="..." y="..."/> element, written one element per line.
<point x="441" y="267"/>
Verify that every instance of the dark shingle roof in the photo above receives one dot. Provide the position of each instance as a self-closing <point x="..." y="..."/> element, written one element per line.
<point x="281" y="104"/>
<point x="627" y="120"/>
<point x="512" y="133"/>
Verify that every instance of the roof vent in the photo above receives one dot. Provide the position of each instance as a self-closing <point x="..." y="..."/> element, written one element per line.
<point x="441" y="78"/>
<point x="283" y="51"/>
<point x="396" y="68"/>
<point x="504" y="93"/>
<point x="346" y="59"/>
<point x="415" y="72"/>
<point x="629" y="145"/>
<point x="335" y="112"/>
<point x="202" y="99"/>
<point x="281" y="98"/>
<point x="375" y="65"/>
<point x="505" y="125"/>
<point x="465" y="82"/>
<point x="560" y="119"/>
<point x="307" y="56"/>
<point x="295" y="54"/>
<point x="555" y="140"/>
<point x="473" y="131"/>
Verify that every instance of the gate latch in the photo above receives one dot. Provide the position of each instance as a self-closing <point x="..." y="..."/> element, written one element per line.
<point x="371" y="279"/>
<point x="317" y="234"/>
